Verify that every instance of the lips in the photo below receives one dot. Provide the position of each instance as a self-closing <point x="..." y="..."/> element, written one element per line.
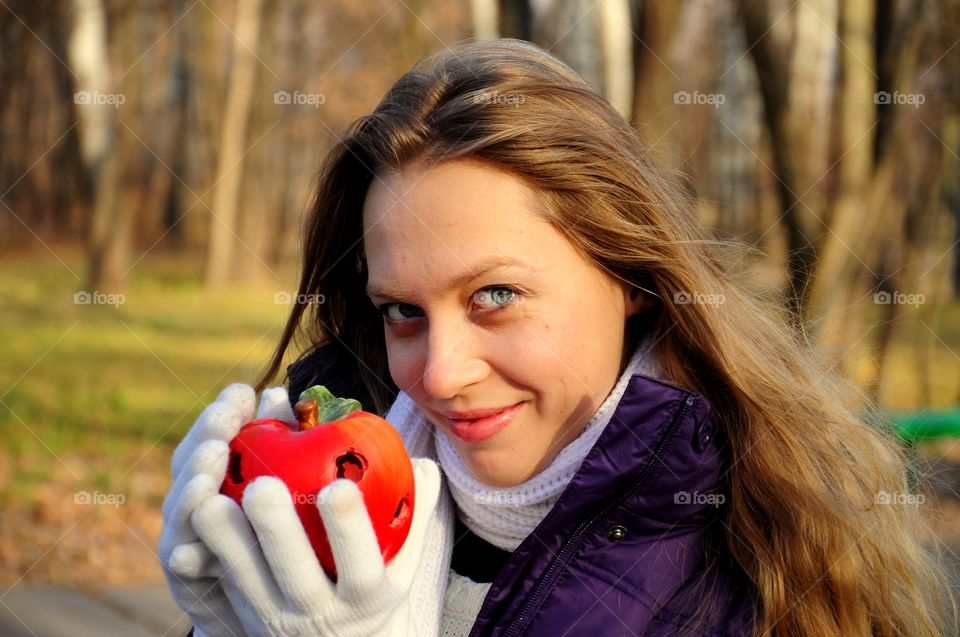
<point x="479" y="424"/>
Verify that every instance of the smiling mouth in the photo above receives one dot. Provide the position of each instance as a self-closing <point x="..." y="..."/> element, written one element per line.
<point x="489" y="423"/>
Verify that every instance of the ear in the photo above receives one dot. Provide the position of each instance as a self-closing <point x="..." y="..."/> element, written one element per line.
<point x="636" y="300"/>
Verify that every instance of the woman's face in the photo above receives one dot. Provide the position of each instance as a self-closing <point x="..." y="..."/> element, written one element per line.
<point x="505" y="336"/>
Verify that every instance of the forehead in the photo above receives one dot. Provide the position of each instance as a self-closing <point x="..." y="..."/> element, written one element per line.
<point x="443" y="220"/>
<point x="449" y="193"/>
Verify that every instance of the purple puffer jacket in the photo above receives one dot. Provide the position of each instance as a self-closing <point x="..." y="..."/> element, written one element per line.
<point x="624" y="551"/>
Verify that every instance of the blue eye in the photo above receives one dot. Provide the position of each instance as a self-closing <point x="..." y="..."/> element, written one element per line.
<point x="399" y="311"/>
<point x="495" y="297"/>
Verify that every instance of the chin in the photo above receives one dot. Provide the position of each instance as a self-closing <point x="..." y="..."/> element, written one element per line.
<point x="500" y="476"/>
<point x="490" y="474"/>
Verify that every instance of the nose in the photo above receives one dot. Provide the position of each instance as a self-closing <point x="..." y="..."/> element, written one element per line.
<point x="453" y="360"/>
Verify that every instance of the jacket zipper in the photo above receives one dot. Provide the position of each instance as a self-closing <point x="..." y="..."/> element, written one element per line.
<point x="514" y="628"/>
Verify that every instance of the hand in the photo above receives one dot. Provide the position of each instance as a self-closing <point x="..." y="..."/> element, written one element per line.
<point x="198" y="468"/>
<point x="275" y="581"/>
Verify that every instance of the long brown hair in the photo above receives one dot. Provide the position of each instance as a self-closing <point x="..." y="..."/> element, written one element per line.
<point x="807" y="518"/>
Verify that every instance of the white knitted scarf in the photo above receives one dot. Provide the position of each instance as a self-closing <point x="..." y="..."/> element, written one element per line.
<point x="504" y="516"/>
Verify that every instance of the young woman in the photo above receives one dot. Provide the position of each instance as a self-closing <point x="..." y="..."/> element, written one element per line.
<point x="628" y="441"/>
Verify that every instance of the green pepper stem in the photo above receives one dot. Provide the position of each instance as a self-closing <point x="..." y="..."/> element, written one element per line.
<point x="326" y="407"/>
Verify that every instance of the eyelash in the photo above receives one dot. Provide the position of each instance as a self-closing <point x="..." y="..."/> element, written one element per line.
<point x="385" y="308"/>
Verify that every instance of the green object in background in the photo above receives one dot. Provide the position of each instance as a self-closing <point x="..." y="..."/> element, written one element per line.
<point x="923" y="425"/>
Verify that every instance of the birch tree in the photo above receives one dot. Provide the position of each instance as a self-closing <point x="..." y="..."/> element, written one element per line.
<point x="229" y="175"/>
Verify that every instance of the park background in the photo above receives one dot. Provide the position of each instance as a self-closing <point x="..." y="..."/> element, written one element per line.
<point x="157" y="159"/>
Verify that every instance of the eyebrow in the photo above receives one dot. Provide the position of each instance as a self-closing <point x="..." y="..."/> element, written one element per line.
<point x="481" y="268"/>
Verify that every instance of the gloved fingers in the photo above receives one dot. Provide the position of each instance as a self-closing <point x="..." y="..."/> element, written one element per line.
<point x="240" y="395"/>
<point x="212" y="615"/>
<point x="426" y="480"/>
<point x="356" y="551"/>
<point x="215" y="618"/>
<point x="275" y="403"/>
<point x="206" y="605"/>
<point x="194" y="561"/>
<point x="246" y="580"/>
<point x="209" y="458"/>
<point x="212" y="604"/>
<point x="220" y="420"/>
<point x="269" y="507"/>
<point x="176" y="527"/>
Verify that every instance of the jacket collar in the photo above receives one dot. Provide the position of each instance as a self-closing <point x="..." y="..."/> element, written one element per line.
<point x="636" y="509"/>
<point x="660" y="455"/>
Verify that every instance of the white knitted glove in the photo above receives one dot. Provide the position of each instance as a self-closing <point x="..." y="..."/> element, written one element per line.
<point x="277" y="587"/>
<point x="198" y="468"/>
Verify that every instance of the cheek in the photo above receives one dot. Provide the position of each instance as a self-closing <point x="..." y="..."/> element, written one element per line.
<point x="583" y="344"/>
<point x="533" y="358"/>
<point x="406" y="365"/>
<point x="560" y="345"/>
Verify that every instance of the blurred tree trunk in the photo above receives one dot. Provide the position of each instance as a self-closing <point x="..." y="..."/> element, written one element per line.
<point x="569" y="30"/>
<point x="813" y="89"/>
<point x="111" y="226"/>
<point x="839" y="266"/>
<point x="90" y="62"/>
<point x="165" y="119"/>
<point x="291" y="48"/>
<point x="108" y="252"/>
<point x="737" y="141"/>
<point x="615" y="40"/>
<point x="207" y="59"/>
<point x="769" y="41"/>
<point x="515" y="19"/>
<point x="71" y="184"/>
<point x="484" y="16"/>
<point x="223" y="222"/>
<point x="655" y="81"/>
<point x="883" y="256"/>
<point x="265" y="165"/>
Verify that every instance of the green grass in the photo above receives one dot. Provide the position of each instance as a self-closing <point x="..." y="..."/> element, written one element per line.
<point x="109" y="383"/>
